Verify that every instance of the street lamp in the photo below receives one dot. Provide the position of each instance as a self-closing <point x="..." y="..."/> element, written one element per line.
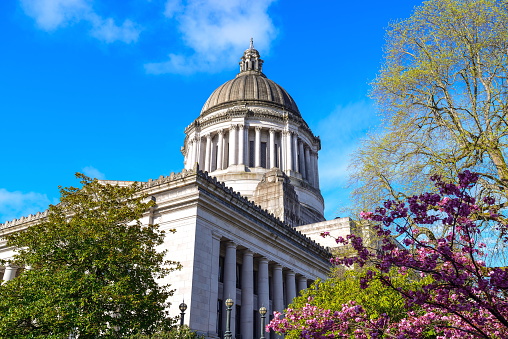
<point x="262" y="311"/>
<point x="182" y="307"/>
<point x="229" y="304"/>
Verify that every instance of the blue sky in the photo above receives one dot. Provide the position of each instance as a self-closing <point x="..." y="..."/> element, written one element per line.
<point x="107" y="87"/>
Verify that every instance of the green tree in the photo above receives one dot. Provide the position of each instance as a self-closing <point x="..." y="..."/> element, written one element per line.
<point x="443" y="94"/>
<point x="91" y="270"/>
<point x="344" y="286"/>
<point x="175" y="333"/>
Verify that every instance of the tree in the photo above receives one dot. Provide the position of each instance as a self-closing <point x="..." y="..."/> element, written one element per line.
<point x="181" y="332"/>
<point x="443" y="94"/>
<point x="330" y="308"/>
<point x="465" y="298"/>
<point x="91" y="270"/>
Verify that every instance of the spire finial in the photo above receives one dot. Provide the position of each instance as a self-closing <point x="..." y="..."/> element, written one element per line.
<point x="250" y="60"/>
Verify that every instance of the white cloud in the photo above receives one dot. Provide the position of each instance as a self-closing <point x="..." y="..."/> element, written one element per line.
<point x="216" y="31"/>
<point x="93" y="172"/>
<point x="16" y="204"/>
<point x="53" y="14"/>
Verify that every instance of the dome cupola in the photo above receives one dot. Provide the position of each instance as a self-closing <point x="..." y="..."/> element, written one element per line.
<point x="250" y="126"/>
<point x="250" y="86"/>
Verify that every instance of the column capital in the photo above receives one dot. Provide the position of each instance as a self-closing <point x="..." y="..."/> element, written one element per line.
<point x="286" y="132"/>
<point x="258" y="128"/>
<point x="233" y="127"/>
<point x="302" y="278"/>
<point x="208" y="136"/>
<point x="231" y="244"/>
<point x="241" y="126"/>
<point x="248" y="252"/>
<point x="220" y="131"/>
<point x="263" y="259"/>
<point x="272" y="130"/>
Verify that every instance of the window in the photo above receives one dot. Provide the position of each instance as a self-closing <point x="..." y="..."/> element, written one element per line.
<point x="238" y="322"/>
<point x="270" y="288"/>
<point x="277" y="156"/>
<point x="221" y="269"/>
<point x="238" y="275"/>
<point x="263" y="155"/>
<point x="251" y="153"/>
<point x="256" y="324"/>
<point x="255" y="282"/>
<point x="219" y="318"/>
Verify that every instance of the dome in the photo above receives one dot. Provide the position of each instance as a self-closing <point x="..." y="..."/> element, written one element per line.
<point x="250" y="86"/>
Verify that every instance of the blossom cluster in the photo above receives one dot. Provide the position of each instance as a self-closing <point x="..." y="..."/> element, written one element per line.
<point x="464" y="298"/>
<point x="315" y="323"/>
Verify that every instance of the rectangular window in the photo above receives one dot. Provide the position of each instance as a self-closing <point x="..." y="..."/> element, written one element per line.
<point x="256" y="325"/>
<point x="270" y="288"/>
<point x="277" y="156"/>
<point x="251" y="154"/>
<point x="226" y="157"/>
<point x="238" y="275"/>
<point x="221" y="269"/>
<point x="255" y="282"/>
<point x="218" y="325"/>
<point x="263" y="155"/>
<point x="238" y="321"/>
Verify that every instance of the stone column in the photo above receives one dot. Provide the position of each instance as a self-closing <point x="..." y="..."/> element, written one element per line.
<point x="316" y="169"/>
<point x="10" y="272"/>
<point x="272" y="148"/>
<point x="289" y="144"/>
<point x="302" y="160"/>
<point x="208" y="153"/>
<point x="263" y="287"/>
<point x="232" y="145"/>
<point x="189" y="164"/>
<point x="278" y="290"/>
<point x="229" y="285"/>
<point x="284" y="150"/>
<point x="241" y="145"/>
<point x="257" y="147"/>
<point x="302" y="283"/>
<point x="308" y="167"/>
<point x="220" y="149"/>
<point x="247" y="294"/>
<point x="290" y="287"/>
<point x="213" y="294"/>
<point x="197" y="151"/>
<point x="295" y="152"/>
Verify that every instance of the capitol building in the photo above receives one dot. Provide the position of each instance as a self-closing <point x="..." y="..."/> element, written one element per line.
<point x="246" y="207"/>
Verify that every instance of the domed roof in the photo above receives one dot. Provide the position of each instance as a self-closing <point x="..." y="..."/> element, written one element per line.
<point x="250" y="86"/>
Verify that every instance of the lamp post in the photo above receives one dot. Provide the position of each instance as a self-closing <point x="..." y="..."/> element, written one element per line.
<point x="229" y="304"/>
<point x="262" y="311"/>
<point x="182" y="307"/>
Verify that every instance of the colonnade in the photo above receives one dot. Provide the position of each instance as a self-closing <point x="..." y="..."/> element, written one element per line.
<point x="274" y="288"/>
<point x="271" y="148"/>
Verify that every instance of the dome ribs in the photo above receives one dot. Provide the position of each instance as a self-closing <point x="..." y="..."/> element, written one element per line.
<point x="251" y="87"/>
<point x="264" y="89"/>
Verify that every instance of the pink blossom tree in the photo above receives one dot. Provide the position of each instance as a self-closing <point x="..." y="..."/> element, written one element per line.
<point x="463" y="297"/>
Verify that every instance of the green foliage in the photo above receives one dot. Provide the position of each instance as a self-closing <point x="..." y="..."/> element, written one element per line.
<point x="175" y="333"/>
<point x="442" y="93"/>
<point x="92" y="268"/>
<point x="344" y="286"/>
